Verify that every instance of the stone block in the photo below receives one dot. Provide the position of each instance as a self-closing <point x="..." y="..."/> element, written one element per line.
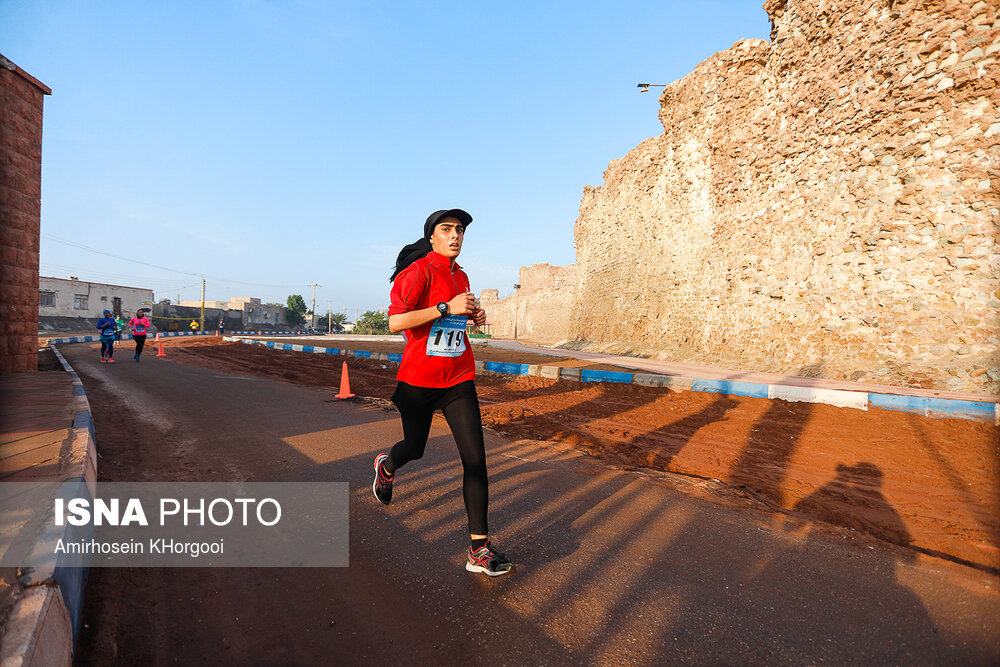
<point x="570" y="373"/>
<point x="651" y="380"/>
<point x="679" y="383"/>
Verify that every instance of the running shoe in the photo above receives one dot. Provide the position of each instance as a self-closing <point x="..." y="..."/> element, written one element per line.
<point x="489" y="561"/>
<point x="137" y="357"/>
<point x="382" y="486"/>
<point x="110" y="360"/>
<point x="103" y="360"/>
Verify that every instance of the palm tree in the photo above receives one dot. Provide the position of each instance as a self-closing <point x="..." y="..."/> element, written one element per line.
<point x="324" y="322"/>
<point x="338" y="320"/>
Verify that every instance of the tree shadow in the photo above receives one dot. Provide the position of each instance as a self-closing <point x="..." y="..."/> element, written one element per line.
<point x="595" y="427"/>
<point x="612" y="568"/>
<point x="982" y="514"/>
<point x="670" y="440"/>
<point x="763" y="463"/>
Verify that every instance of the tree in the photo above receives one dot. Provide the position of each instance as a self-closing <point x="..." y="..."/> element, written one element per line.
<point x="372" y="322"/>
<point x="323" y="323"/>
<point x="296" y="310"/>
<point x="339" y="320"/>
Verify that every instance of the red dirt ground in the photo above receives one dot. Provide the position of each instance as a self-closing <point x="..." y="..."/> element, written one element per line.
<point x="928" y="484"/>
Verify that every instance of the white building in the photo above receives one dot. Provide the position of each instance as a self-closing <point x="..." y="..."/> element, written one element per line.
<point x="59" y="297"/>
<point x="254" y="312"/>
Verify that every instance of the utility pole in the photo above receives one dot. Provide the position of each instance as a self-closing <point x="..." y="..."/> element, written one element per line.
<point x="329" y="317"/>
<point x="202" y="304"/>
<point x="313" y="325"/>
<point x="517" y="289"/>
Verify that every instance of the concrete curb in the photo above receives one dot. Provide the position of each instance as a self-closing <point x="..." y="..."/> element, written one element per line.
<point x="38" y="631"/>
<point x="45" y="620"/>
<point x="938" y="408"/>
<point x="82" y="462"/>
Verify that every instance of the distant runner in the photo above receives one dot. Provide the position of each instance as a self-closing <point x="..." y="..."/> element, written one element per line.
<point x="119" y="325"/>
<point x="140" y="328"/>
<point x="431" y="303"/>
<point x="106" y="325"/>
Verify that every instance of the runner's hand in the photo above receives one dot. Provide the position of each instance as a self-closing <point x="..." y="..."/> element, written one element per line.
<point x="463" y="304"/>
<point x="479" y="317"/>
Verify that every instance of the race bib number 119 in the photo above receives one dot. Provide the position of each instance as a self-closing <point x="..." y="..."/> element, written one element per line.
<point x="447" y="336"/>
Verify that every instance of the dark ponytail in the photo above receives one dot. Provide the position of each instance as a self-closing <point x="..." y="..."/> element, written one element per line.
<point x="409" y="254"/>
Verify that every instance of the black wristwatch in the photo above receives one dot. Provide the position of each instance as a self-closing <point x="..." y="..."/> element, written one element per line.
<point x="443" y="308"/>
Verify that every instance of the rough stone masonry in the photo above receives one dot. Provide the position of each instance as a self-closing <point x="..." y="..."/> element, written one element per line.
<point x="824" y="204"/>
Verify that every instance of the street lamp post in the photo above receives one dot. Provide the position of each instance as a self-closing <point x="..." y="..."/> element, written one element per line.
<point x="517" y="288"/>
<point x="644" y="87"/>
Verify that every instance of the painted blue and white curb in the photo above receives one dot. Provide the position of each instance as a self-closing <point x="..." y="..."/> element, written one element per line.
<point x="82" y="462"/>
<point x="941" y="408"/>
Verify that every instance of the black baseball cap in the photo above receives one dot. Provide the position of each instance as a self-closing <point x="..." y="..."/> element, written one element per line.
<point x="437" y="216"/>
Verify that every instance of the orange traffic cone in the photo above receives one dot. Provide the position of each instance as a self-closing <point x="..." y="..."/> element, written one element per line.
<point x="161" y="353"/>
<point x="345" y="384"/>
<point x="216" y="333"/>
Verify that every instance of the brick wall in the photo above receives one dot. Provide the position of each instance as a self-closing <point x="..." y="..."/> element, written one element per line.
<point x="21" y="99"/>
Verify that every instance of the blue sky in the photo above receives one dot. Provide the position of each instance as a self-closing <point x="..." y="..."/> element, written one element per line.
<point x="270" y="145"/>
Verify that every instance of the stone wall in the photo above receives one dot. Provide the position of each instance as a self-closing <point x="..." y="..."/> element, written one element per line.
<point x="826" y="203"/>
<point x="543" y="303"/>
<point x="21" y="100"/>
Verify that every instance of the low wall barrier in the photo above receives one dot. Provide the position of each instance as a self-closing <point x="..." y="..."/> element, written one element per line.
<point x="170" y="334"/>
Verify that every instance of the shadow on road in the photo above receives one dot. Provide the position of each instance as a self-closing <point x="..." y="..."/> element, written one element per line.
<point x="613" y="567"/>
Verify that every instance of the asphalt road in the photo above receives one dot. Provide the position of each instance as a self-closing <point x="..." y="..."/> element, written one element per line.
<point x="613" y="567"/>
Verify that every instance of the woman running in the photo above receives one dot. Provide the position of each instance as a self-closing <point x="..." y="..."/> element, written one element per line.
<point x="119" y="325"/>
<point x="140" y="327"/>
<point x="106" y="325"/>
<point x="430" y="303"/>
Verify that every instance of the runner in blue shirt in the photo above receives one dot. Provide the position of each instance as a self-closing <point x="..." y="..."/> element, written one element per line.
<point x="107" y="325"/>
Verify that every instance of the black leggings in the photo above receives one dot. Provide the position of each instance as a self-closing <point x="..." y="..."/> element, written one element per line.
<point x="139" y="342"/>
<point x="107" y="348"/>
<point x="460" y="406"/>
